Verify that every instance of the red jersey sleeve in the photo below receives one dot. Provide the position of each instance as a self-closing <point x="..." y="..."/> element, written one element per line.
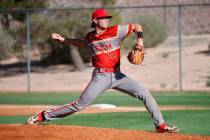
<point x="124" y="30"/>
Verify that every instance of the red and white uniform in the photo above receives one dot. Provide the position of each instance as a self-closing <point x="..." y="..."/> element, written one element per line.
<point x="106" y="59"/>
<point x="106" y="46"/>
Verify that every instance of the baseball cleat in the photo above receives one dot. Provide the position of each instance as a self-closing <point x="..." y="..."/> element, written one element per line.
<point x="36" y="119"/>
<point x="165" y="128"/>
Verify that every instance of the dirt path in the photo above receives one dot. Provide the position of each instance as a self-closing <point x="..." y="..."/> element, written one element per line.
<point x="13" y="110"/>
<point x="58" y="132"/>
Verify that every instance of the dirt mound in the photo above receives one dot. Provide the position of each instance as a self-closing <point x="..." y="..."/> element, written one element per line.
<point x="49" y="132"/>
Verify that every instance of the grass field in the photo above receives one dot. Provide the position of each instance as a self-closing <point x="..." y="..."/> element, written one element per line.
<point x="190" y="121"/>
<point x="119" y="99"/>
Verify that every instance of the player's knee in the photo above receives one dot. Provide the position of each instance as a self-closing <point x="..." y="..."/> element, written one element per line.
<point x="142" y="93"/>
<point x="82" y="105"/>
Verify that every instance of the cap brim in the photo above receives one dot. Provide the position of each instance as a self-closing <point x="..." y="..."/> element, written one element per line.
<point x="105" y="17"/>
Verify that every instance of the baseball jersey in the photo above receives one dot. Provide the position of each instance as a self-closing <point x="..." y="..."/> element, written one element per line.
<point x="106" y="46"/>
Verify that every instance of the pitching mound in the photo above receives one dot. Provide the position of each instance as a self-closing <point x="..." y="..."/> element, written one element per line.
<point x="58" y="132"/>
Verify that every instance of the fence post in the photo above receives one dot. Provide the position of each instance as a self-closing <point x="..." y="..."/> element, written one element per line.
<point x="28" y="52"/>
<point x="164" y="13"/>
<point x="180" y="29"/>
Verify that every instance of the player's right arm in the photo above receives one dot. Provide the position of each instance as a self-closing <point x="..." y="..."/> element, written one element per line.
<point x="68" y="41"/>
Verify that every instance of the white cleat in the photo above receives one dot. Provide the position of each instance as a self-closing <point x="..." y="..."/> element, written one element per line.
<point x="36" y="119"/>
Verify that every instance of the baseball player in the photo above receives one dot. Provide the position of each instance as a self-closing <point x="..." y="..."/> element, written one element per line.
<point x="105" y="42"/>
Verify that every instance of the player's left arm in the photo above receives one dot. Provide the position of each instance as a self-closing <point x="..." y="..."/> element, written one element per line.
<point x="137" y="29"/>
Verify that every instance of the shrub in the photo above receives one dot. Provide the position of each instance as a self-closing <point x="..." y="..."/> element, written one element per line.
<point x="69" y="25"/>
<point x="6" y="43"/>
<point x="154" y="32"/>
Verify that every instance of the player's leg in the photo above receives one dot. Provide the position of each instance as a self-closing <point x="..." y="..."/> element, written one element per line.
<point x="98" y="84"/>
<point x="134" y="89"/>
<point x="94" y="88"/>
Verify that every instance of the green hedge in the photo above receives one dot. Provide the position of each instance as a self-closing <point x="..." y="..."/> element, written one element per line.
<point x="154" y="32"/>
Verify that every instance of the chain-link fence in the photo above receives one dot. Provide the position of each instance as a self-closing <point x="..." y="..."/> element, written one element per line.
<point x="31" y="61"/>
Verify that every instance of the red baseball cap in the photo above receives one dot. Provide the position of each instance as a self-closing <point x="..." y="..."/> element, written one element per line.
<point x="100" y="13"/>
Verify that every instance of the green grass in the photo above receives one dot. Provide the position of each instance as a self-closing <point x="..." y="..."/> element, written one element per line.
<point x="190" y="122"/>
<point x="116" y="98"/>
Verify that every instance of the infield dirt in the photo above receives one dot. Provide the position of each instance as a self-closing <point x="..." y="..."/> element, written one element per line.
<point x="55" y="132"/>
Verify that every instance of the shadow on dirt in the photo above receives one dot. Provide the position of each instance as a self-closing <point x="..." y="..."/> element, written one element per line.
<point x="18" y="68"/>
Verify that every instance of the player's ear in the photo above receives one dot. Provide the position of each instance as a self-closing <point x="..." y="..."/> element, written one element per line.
<point x="95" y="20"/>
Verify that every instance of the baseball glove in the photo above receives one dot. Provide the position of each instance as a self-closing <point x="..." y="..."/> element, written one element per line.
<point x="136" y="56"/>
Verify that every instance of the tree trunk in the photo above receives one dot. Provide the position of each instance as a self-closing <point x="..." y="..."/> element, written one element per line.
<point x="76" y="59"/>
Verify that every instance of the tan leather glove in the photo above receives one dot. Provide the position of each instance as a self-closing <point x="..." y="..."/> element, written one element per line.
<point x="136" y="56"/>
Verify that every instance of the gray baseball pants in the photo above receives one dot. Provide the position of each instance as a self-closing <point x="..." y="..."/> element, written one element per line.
<point x="99" y="83"/>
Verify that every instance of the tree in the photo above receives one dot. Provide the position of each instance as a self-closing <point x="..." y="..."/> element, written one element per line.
<point x="6" y="43"/>
<point x="68" y="25"/>
<point x="15" y="4"/>
<point x="14" y="35"/>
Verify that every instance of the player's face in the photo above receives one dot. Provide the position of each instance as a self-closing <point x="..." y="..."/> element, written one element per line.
<point x="103" y="22"/>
